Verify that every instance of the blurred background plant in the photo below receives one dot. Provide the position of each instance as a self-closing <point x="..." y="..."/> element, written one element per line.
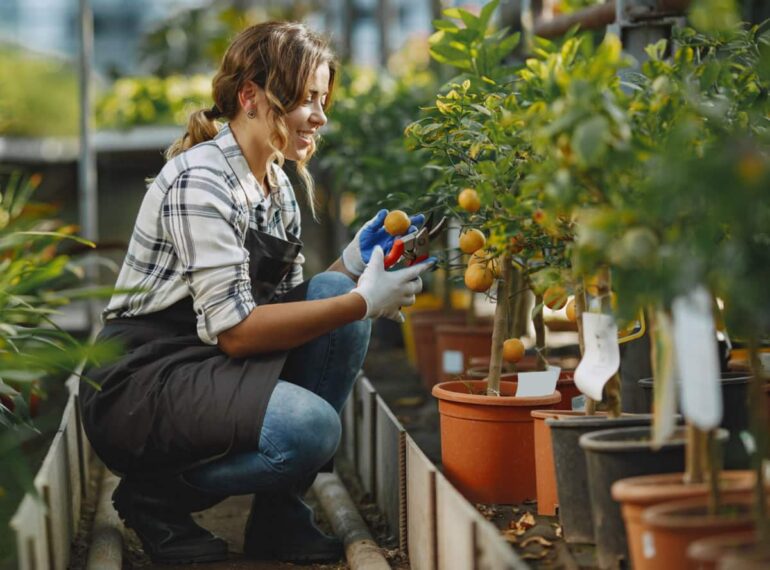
<point x="37" y="277"/>
<point x="26" y="105"/>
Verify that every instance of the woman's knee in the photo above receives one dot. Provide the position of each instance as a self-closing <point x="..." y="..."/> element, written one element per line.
<point x="305" y="427"/>
<point x="329" y="284"/>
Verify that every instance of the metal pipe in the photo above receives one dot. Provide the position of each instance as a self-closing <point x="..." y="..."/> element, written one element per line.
<point x="87" y="189"/>
<point x="360" y="549"/>
<point x="106" y="550"/>
<point x="589" y="18"/>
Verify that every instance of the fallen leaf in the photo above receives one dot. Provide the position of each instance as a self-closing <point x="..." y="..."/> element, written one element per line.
<point x="534" y="556"/>
<point x="516" y="510"/>
<point x="557" y="529"/>
<point x="538" y="539"/>
<point x="511" y="536"/>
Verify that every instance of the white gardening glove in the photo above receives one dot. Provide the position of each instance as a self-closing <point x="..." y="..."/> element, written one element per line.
<point x="385" y="292"/>
<point x="357" y="253"/>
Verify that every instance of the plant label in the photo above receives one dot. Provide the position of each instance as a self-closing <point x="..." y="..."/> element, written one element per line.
<point x="697" y="361"/>
<point x="534" y="384"/>
<point x="452" y="362"/>
<point x="601" y="356"/>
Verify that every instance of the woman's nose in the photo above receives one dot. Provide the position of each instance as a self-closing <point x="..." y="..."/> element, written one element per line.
<point x="318" y="117"/>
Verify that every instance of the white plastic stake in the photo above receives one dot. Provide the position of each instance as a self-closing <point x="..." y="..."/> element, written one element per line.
<point x="601" y="356"/>
<point x="696" y="359"/>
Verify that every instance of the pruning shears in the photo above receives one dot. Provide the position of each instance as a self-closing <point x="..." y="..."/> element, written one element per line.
<point x="415" y="247"/>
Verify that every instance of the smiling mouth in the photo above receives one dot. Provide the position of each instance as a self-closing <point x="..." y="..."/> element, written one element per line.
<point x="305" y="136"/>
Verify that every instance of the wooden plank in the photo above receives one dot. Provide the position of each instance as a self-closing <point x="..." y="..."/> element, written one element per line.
<point x="420" y="508"/>
<point x="28" y="523"/>
<point x="492" y="551"/>
<point x="51" y="483"/>
<point x="391" y="471"/>
<point x="365" y="439"/>
<point x="75" y="490"/>
<point x="455" y="527"/>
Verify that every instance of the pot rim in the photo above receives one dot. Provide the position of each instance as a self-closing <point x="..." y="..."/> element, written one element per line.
<point x="725" y="378"/>
<point x="555" y="414"/>
<point x="595" y="420"/>
<point x="670" y="514"/>
<point x="593" y="441"/>
<point x="442" y="391"/>
<point x="645" y="489"/>
<point x="711" y="548"/>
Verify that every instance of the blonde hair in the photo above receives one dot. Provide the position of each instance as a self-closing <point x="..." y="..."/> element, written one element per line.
<point x="280" y="57"/>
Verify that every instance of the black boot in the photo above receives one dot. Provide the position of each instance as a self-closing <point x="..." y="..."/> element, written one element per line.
<point x="281" y="528"/>
<point x="158" y="511"/>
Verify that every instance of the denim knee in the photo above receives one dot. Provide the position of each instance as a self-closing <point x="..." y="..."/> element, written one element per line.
<point x="316" y="434"/>
<point x="329" y="284"/>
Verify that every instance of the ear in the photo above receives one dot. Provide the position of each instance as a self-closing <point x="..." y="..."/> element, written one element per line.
<point x="250" y="95"/>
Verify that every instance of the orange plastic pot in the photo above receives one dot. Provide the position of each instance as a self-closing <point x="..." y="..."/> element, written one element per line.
<point x="707" y="552"/>
<point x="456" y="345"/>
<point x="487" y="442"/>
<point x="635" y="494"/>
<point x="545" y="472"/>
<point x="424" y="325"/>
<point x="673" y="526"/>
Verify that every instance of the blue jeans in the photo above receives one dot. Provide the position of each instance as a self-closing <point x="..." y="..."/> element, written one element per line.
<point x="301" y="428"/>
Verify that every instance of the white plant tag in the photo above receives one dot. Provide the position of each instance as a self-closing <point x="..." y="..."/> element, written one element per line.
<point x="648" y="544"/>
<point x="532" y="384"/>
<point x="601" y="355"/>
<point x="696" y="359"/>
<point x="452" y="362"/>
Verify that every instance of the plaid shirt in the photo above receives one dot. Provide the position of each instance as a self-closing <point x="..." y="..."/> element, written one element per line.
<point x="188" y="238"/>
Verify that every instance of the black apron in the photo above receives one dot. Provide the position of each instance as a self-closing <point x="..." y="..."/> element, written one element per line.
<point x="171" y="401"/>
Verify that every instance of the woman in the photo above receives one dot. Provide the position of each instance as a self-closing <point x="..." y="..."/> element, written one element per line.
<point x="234" y="369"/>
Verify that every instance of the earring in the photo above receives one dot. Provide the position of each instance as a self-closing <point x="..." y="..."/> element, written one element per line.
<point x="251" y="113"/>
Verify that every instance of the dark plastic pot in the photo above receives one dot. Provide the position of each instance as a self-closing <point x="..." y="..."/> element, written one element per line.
<point x="571" y="472"/>
<point x="735" y="418"/>
<point x="612" y="455"/>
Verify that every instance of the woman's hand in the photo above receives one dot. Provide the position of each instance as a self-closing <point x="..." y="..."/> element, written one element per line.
<point x="385" y="292"/>
<point x="358" y="252"/>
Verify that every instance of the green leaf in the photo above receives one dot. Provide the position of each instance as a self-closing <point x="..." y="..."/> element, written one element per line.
<point x="589" y="140"/>
<point x="487" y="11"/>
<point x="445" y="25"/>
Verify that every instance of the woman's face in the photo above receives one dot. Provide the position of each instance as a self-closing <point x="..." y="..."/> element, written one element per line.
<point x="305" y="120"/>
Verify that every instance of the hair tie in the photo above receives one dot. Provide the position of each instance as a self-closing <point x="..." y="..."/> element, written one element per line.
<point x="213" y="113"/>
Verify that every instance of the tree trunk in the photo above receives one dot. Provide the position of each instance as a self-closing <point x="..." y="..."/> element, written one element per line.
<point x="537" y="321"/>
<point x="499" y="330"/>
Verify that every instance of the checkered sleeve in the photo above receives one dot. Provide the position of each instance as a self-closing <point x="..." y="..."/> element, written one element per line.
<point x="206" y="228"/>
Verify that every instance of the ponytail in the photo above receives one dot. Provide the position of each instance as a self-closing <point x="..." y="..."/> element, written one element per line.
<point x="201" y="126"/>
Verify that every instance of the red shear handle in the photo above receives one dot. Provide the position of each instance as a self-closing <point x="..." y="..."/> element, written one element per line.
<point x="417" y="260"/>
<point x="394" y="254"/>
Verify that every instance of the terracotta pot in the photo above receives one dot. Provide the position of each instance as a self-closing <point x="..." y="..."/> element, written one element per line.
<point x="565" y="385"/>
<point x="638" y="493"/>
<point x="545" y="472"/>
<point x="675" y="525"/>
<point x="706" y="552"/>
<point x="487" y="442"/>
<point x="456" y="344"/>
<point x="424" y="325"/>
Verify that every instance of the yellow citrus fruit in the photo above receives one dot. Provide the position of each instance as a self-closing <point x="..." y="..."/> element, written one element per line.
<point x="472" y="240"/>
<point x="478" y="277"/>
<point x="469" y="201"/>
<point x="513" y="350"/>
<point x="555" y="297"/>
<point x="591" y="285"/>
<point x="571" y="310"/>
<point x="396" y="223"/>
